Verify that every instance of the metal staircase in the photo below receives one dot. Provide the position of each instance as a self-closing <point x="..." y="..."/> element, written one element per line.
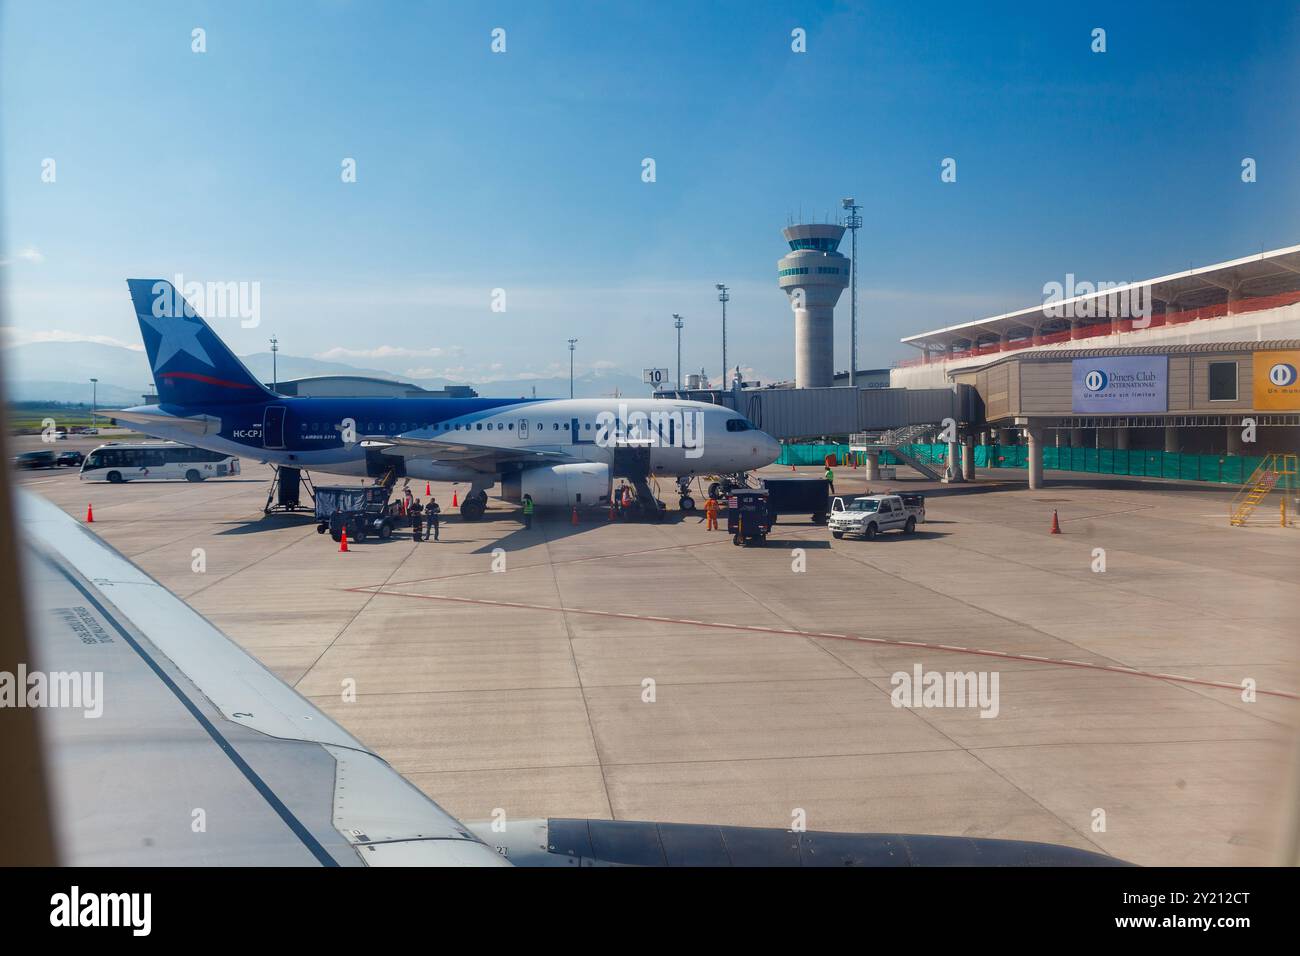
<point x="893" y="441"/>
<point x="1272" y="470"/>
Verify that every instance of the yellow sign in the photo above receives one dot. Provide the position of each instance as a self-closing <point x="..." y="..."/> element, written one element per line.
<point x="1276" y="384"/>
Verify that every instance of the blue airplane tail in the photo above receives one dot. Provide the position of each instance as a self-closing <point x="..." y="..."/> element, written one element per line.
<point x="191" y="366"/>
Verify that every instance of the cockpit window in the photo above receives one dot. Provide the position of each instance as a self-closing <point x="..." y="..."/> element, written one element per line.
<point x="739" y="425"/>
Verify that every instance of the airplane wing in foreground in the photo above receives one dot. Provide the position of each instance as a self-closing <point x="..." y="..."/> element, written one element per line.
<point x="199" y="755"/>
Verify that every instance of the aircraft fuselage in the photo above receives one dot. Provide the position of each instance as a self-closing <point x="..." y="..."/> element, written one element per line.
<point x="334" y="434"/>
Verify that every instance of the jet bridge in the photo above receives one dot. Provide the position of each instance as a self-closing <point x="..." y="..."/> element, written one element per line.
<point x="790" y="414"/>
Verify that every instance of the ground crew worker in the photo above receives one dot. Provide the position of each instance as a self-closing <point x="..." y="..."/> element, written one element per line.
<point x="416" y="513"/>
<point x="431" y="513"/>
<point x="528" y="511"/>
<point x="627" y="500"/>
<point x="711" y="514"/>
<point x="830" y="478"/>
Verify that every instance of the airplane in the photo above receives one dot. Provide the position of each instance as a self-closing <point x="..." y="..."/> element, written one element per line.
<point x="562" y="452"/>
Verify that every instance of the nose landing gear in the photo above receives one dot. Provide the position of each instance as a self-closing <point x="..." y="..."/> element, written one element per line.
<point x="684" y="501"/>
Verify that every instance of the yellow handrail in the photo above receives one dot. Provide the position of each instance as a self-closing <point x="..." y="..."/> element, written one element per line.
<point x="1257" y="487"/>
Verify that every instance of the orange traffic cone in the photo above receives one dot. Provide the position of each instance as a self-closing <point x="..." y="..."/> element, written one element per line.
<point x="426" y="489"/>
<point x="454" y="502"/>
<point x="575" y="514"/>
<point x="1056" y="524"/>
<point x="343" y="540"/>
<point x="792" y="467"/>
<point x="90" y="514"/>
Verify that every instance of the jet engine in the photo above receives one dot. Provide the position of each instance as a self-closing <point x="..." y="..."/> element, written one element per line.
<point x="556" y="486"/>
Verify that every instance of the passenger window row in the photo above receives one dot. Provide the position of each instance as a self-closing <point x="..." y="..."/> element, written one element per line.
<point x="372" y="428"/>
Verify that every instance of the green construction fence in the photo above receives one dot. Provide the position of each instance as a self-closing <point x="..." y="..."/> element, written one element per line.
<point x="816" y="455"/>
<point x="1221" y="469"/>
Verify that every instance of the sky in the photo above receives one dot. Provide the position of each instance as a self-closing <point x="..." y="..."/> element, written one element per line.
<point x="522" y="170"/>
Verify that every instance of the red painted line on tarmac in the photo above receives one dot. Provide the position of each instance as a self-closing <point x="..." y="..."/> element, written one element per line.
<point x="759" y="629"/>
<point x="1110" y="514"/>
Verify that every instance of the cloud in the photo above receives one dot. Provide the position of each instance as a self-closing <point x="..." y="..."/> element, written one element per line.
<point x="28" y="254"/>
<point x="12" y="336"/>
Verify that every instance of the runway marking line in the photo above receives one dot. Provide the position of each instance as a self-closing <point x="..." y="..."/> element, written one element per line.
<point x="379" y="591"/>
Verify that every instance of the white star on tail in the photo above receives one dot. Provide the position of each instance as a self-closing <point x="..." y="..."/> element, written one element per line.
<point x="178" y="335"/>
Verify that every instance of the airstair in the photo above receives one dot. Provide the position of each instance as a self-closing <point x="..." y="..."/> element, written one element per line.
<point x="284" y="495"/>
<point x="893" y="441"/>
<point x="1275" y="469"/>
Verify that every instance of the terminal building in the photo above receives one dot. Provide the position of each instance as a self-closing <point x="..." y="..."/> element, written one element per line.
<point x="353" y="386"/>
<point x="1242" y="300"/>
<point x="365" y="386"/>
<point x="1198" y="363"/>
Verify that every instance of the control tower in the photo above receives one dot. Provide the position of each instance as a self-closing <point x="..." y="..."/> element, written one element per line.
<point x="813" y="275"/>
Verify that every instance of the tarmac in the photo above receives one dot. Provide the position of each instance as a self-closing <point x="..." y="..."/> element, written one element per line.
<point x="656" y="672"/>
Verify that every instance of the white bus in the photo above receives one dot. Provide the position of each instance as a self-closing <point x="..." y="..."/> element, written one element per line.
<point x="155" y="461"/>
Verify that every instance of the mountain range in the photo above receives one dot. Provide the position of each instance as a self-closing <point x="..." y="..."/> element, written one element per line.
<point x="61" y="372"/>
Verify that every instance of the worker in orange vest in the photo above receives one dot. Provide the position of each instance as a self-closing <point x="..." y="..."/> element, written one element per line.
<point x="711" y="514"/>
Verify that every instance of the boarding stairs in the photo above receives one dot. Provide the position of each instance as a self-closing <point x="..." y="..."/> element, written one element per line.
<point x="647" y="497"/>
<point x="284" y="494"/>
<point x="1271" y="471"/>
<point x="893" y="441"/>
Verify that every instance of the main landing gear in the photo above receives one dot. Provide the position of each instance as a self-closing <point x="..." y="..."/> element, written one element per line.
<point x="475" y="503"/>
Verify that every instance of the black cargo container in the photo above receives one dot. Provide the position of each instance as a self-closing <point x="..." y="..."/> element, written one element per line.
<point x="799" y="496"/>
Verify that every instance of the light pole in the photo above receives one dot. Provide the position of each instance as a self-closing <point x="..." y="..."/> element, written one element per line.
<point x="573" y="343"/>
<point x="723" y="297"/>
<point x="677" y="324"/>
<point x="275" y="347"/>
<point x="853" y="222"/>
<point x="94" y="401"/>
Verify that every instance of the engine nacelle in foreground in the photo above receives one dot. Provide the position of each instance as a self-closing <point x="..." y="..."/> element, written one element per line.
<point x="559" y="486"/>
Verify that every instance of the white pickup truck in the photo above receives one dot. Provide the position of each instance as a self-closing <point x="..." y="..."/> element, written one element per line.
<point x="872" y="514"/>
